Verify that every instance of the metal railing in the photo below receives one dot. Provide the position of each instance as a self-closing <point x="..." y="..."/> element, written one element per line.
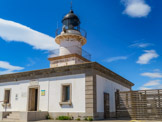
<point x="4" y="104"/>
<point x="82" y="32"/>
<point x="70" y="50"/>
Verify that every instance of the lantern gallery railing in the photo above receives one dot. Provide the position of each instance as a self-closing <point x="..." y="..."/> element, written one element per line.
<point x="70" y="50"/>
<point x="82" y="32"/>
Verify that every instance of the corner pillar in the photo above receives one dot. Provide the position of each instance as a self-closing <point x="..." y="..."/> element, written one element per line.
<point x="90" y="94"/>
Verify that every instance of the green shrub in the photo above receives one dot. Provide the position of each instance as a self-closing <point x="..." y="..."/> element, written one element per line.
<point x="78" y="119"/>
<point x="64" y="118"/>
<point x="88" y="119"/>
<point x="48" y="117"/>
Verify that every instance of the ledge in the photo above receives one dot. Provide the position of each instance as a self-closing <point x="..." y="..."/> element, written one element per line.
<point x="68" y="35"/>
<point x="64" y="70"/>
<point x="68" y="56"/>
<point x="66" y="103"/>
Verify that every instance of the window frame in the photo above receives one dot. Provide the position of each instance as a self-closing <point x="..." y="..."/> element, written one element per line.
<point x="63" y="94"/>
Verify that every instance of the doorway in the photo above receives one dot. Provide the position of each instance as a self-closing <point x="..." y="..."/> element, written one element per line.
<point x="33" y="99"/>
<point x="106" y="106"/>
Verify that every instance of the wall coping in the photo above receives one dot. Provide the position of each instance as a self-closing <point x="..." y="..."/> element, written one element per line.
<point x="64" y="70"/>
<point x="68" y="56"/>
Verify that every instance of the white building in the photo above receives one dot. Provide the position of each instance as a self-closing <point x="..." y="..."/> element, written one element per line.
<point x="72" y="86"/>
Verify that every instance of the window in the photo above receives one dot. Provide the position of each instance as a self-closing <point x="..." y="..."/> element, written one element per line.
<point x="7" y="96"/>
<point x="66" y="94"/>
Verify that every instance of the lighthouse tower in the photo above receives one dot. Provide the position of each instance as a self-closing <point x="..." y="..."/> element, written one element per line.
<point x="71" y="41"/>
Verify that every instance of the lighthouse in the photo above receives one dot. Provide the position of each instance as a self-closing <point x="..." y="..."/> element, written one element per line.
<point x="73" y="86"/>
<point x="70" y="41"/>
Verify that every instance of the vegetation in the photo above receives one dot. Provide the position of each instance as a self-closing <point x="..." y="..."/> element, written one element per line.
<point x="64" y="118"/>
<point x="48" y="117"/>
<point x="88" y="119"/>
<point x="78" y="119"/>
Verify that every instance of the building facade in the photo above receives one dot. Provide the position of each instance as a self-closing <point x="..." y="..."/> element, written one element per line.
<point x="72" y="86"/>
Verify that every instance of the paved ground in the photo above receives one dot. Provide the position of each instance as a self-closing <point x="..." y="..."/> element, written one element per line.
<point x="93" y="121"/>
<point x="100" y="121"/>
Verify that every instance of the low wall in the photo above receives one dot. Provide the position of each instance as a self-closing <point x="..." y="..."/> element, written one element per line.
<point x="34" y="116"/>
<point x="4" y="115"/>
<point x="26" y="116"/>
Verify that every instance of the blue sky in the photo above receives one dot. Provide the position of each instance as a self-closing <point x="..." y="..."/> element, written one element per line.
<point x="123" y="35"/>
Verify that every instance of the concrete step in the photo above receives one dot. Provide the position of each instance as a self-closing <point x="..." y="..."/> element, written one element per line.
<point x="13" y="116"/>
<point x="11" y="119"/>
<point x="15" y="113"/>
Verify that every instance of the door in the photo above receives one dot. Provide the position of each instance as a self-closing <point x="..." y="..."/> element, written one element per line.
<point x="106" y="106"/>
<point x="33" y="99"/>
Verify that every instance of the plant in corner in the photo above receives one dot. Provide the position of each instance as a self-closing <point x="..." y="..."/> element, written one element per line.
<point x="78" y="119"/>
<point x="64" y="118"/>
<point x="88" y="118"/>
<point x="48" y="117"/>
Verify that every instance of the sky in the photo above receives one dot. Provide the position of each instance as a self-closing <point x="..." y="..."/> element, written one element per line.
<point x="123" y="35"/>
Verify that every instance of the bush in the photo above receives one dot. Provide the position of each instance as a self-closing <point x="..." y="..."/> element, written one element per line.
<point x="64" y="118"/>
<point x="85" y="119"/>
<point x="78" y="119"/>
<point x="88" y="119"/>
<point x="48" y="117"/>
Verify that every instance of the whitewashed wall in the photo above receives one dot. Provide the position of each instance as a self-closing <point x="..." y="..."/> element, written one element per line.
<point x="107" y="86"/>
<point x="71" y="46"/>
<point x="78" y="93"/>
<point x="52" y="87"/>
<point x="19" y="88"/>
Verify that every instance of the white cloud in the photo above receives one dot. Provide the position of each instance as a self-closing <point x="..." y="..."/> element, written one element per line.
<point x="147" y="56"/>
<point x="144" y="88"/>
<point x="152" y="83"/>
<point x="8" y="67"/>
<point x="31" y="62"/>
<point x="153" y="87"/>
<point x="156" y="70"/>
<point x="12" y="31"/>
<point x="158" y="87"/>
<point x="152" y="75"/>
<point x="116" y="58"/>
<point x="6" y="72"/>
<point x="136" y="8"/>
<point x="141" y="45"/>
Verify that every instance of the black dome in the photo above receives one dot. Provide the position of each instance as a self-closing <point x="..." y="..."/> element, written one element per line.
<point x="72" y="17"/>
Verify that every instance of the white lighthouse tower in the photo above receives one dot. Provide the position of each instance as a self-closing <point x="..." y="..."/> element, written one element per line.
<point x="71" y="41"/>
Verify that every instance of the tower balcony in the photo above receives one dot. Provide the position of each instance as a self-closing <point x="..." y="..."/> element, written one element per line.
<point x="62" y="34"/>
<point x="65" y="31"/>
<point x="68" y="56"/>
